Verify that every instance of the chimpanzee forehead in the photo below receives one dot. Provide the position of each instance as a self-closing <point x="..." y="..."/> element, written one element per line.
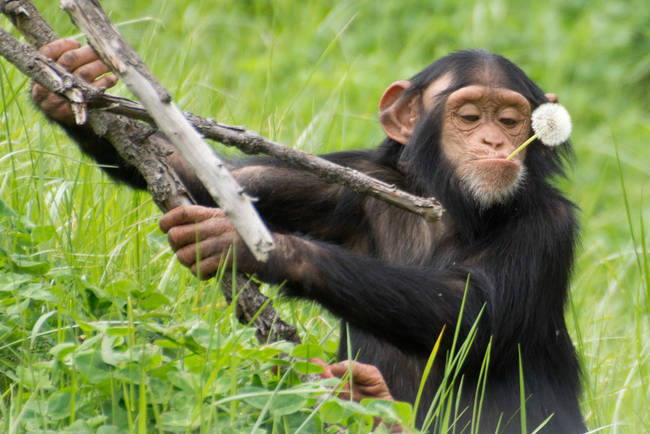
<point x="445" y="88"/>
<point x="496" y="95"/>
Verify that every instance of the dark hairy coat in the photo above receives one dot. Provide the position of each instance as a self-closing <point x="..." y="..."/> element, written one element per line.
<point x="397" y="281"/>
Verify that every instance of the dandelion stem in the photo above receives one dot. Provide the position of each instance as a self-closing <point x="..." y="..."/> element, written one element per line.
<point x="522" y="147"/>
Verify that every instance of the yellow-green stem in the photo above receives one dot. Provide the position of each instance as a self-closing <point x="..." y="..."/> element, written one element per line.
<point x="521" y="148"/>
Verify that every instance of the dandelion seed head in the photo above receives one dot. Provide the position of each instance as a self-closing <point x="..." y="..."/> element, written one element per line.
<point x="552" y="124"/>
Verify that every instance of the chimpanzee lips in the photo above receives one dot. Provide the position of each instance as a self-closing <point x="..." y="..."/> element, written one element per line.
<point x="491" y="180"/>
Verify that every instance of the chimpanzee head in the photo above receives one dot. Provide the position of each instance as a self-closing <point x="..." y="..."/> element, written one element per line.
<point x="456" y="122"/>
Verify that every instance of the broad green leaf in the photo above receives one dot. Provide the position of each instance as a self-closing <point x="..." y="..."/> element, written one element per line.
<point x="92" y="367"/>
<point x="29" y="266"/>
<point x="37" y="291"/>
<point x="393" y="411"/>
<point x="166" y="343"/>
<point x="111" y="356"/>
<point x="7" y="211"/>
<point x="308" y="351"/>
<point x="11" y="281"/>
<point x="307" y="368"/>
<point x="61" y="350"/>
<point x="39" y="323"/>
<point x="58" y="405"/>
<point x="18" y="308"/>
<point x="120" y="288"/>
<point x="120" y="330"/>
<point x="175" y="421"/>
<point x="258" y="396"/>
<point x="184" y="380"/>
<point x="283" y="404"/>
<point x="154" y="301"/>
<point x="262" y="353"/>
<point x="41" y="234"/>
<point x="109" y="429"/>
<point x="129" y="373"/>
<point x="33" y="378"/>
<point x="96" y="420"/>
<point x="332" y="412"/>
<point x="78" y="427"/>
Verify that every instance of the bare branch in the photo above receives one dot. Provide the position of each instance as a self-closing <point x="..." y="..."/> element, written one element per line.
<point x="215" y="177"/>
<point x="246" y="140"/>
<point x="251" y="142"/>
<point x="29" y="21"/>
<point x="137" y="144"/>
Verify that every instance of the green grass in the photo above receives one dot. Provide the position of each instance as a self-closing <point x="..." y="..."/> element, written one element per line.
<point x="100" y="328"/>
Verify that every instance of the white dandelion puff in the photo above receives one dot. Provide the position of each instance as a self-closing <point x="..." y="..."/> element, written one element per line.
<point x="551" y="124"/>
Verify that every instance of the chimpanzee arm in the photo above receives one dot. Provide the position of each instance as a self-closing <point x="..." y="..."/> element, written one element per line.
<point x="294" y="200"/>
<point x="405" y="305"/>
<point x="103" y="152"/>
<point x="289" y="199"/>
<point x="408" y="305"/>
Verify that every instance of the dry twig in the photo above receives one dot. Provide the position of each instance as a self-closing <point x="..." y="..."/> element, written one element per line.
<point x="137" y="144"/>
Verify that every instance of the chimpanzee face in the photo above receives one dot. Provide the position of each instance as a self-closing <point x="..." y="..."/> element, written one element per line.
<point x="482" y="125"/>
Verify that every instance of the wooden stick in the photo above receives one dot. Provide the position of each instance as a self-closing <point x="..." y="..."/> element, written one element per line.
<point x="137" y="144"/>
<point x="120" y="57"/>
<point x="246" y="140"/>
<point x="251" y="142"/>
<point x="29" y="21"/>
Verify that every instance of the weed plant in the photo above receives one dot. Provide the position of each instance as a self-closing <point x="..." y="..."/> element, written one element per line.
<point x="101" y="330"/>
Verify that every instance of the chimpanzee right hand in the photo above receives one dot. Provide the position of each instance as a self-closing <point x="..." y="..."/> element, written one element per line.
<point x="202" y="238"/>
<point x="82" y="62"/>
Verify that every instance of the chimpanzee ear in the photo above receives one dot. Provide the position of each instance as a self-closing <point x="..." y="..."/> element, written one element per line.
<point x="398" y="115"/>
<point x="551" y="97"/>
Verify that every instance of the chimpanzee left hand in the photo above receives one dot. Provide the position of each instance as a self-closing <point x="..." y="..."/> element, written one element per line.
<point x="367" y="381"/>
<point x="201" y="238"/>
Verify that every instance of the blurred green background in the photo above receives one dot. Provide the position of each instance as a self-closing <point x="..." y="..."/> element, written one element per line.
<point x="309" y="74"/>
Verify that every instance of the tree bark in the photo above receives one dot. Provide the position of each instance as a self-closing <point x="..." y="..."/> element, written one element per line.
<point x="137" y="144"/>
<point x="211" y="171"/>
<point x="27" y="19"/>
<point x="248" y="142"/>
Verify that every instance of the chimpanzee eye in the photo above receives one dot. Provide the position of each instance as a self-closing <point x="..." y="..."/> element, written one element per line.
<point x="469" y="118"/>
<point x="509" y="122"/>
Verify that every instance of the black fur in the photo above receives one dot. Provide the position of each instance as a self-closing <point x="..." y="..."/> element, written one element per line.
<point x="396" y="281"/>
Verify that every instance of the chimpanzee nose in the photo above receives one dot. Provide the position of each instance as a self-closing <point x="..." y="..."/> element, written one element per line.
<point x="493" y="136"/>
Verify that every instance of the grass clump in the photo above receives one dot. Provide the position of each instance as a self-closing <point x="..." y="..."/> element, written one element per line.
<point x="101" y="330"/>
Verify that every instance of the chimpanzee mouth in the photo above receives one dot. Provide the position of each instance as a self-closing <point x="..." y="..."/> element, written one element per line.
<point x="498" y="161"/>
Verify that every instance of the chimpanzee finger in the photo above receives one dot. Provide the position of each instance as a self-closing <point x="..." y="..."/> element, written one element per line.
<point x="73" y="59"/>
<point x="105" y="82"/>
<point x="52" y="104"/>
<point x="215" y="246"/>
<point x="187" y="214"/>
<point x="63" y="114"/>
<point x="327" y="373"/>
<point x="361" y="372"/>
<point x="54" y="49"/>
<point x="340" y="369"/>
<point x="56" y="107"/>
<point x="207" y="268"/>
<point x="180" y="236"/>
<point x="39" y="93"/>
<point x="90" y="71"/>
<point x="367" y="379"/>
